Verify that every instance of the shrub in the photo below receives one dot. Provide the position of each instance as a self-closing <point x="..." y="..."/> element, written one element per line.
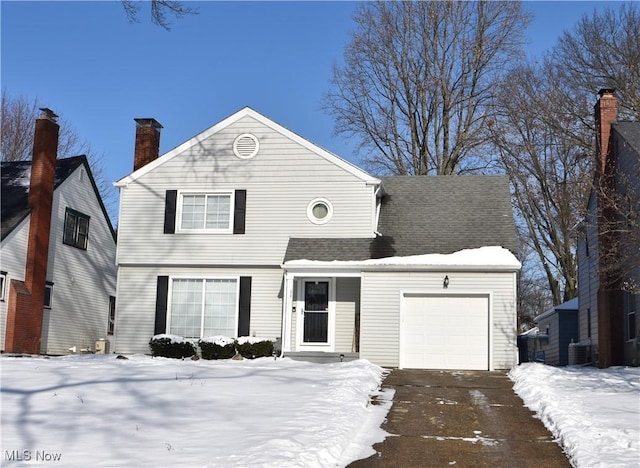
<point x="171" y="346"/>
<point x="250" y="347"/>
<point x="217" y="347"/>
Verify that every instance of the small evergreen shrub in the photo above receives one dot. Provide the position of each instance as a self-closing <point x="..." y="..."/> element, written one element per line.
<point x="171" y="346"/>
<point x="250" y="347"/>
<point x="217" y="347"/>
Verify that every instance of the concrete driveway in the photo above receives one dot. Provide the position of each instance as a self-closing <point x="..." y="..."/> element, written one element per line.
<point x="461" y="419"/>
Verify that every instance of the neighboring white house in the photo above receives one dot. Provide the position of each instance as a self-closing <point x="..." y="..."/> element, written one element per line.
<point x="249" y="229"/>
<point x="79" y="298"/>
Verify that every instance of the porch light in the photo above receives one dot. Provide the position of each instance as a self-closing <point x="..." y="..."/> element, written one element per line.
<point x="445" y="283"/>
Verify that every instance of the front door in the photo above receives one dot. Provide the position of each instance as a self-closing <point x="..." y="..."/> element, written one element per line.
<point x="315" y="317"/>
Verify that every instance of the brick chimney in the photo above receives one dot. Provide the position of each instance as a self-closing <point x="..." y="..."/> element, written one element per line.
<point x="609" y="295"/>
<point x="606" y="112"/>
<point x="26" y="298"/>
<point x="147" y="142"/>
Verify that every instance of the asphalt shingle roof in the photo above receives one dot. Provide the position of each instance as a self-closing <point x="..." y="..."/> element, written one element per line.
<point x="424" y="215"/>
<point x="15" y="188"/>
<point x="630" y="131"/>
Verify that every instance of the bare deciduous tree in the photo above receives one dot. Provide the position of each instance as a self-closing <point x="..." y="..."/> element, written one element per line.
<point x="619" y="227"/>
<point x="160" y="9"/>
<point x="603" y="51"/>
<point x="549" y="168"/>
<point x="18" y="116"/>
<point x="417" y="79"/>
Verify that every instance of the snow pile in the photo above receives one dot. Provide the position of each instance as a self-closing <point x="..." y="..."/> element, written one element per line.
<point x="480" y="257"/>
<point x="102" y="411"/>
<point x="171" y="338"/>
<point x="594" y="413"/>
<point x="250" y="339"/>
<point x="219" y="340"/>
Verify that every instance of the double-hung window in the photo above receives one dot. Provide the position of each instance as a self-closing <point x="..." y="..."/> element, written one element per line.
<point x="76" y="229"/>
<point x="206" y="212"/>
<point x="203" y="307"/>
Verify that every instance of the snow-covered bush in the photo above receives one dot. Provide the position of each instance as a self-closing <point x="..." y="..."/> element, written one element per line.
<point x="251" y="347"/>
<point x="171" y="346"/>
<point x="217" y="347"/>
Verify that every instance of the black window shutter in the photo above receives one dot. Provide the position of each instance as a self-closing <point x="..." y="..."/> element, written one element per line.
<point x="170" y="201"/>
<point x="240" y="211"/>
<point x="244" y="306"/>
<point x="161" y="305"/>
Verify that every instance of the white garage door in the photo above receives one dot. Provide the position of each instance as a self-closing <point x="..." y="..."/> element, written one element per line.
<point x="444" y="332"/>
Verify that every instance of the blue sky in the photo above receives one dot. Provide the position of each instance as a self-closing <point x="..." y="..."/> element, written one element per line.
<point x="85" y="61"/>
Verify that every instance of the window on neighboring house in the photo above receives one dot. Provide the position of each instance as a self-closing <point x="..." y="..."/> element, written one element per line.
<point x="586" y="245"/>
<point x="48" y="295"/>
<point x="3" y="284"/>
<point x="76" y="229"/>
<point x="589" y="323"/>
<point x="630" y="303"/>
<point x="111" y="324"/>
<point x="203" y="307"/>
<point x="206" y="212"/>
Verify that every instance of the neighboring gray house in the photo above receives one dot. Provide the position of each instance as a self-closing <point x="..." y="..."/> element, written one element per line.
<point x="58" y="274"/>
<point x="249" y="229"/>
<point x="608" y="309"/>
<point x="559" y="327"/>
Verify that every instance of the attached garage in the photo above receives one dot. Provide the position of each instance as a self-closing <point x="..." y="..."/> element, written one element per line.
<point x="445" y="332"/>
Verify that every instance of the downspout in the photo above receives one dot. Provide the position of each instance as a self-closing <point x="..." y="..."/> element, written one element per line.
<point x="378" y="206"/>
<point x="286" y="305"/>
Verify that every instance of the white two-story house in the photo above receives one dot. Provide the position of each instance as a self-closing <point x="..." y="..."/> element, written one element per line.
<point x="250" y="229"/>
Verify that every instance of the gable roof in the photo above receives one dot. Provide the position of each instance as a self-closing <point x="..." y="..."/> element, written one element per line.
<point x="244" y="112"/>
<point x="630" y="132"/>
<point x="426" y="215"/>
<point x="16" y="176"/>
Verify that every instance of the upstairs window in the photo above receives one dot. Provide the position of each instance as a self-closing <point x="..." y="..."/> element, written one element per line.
<point x="76" y="229"/>
<point x="206" y="212"/>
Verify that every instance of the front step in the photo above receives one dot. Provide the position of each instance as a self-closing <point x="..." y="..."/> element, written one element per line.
<point x="321" y="357"/>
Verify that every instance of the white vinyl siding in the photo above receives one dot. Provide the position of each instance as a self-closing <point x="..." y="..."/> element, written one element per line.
<point x="83" y="279"/>
<point x="281" y="181"/>
<point x="347" y="304"/>
<point x="136" y="301"/>
<point x="381" y="302"/>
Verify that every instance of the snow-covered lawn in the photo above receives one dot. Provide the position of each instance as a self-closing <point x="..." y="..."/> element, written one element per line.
<point x="594" y="413"/>
<point x="102" y="411"/>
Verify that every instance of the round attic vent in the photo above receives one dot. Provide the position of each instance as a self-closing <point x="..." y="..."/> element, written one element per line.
<point x="246" y="146"/>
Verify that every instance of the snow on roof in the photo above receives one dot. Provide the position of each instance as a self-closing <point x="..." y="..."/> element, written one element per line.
<point x="489" y="257"/>
<point x="571" y="305"/>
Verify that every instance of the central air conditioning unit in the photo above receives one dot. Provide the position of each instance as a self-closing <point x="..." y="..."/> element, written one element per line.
<point x="102" y="346"/>
<point x="578" y="354"/>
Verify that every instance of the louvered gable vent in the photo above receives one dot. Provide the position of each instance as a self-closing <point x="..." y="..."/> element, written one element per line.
<point x="246" y="146"/>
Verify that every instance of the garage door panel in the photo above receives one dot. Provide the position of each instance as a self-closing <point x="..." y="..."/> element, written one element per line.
<point x="445" y="332"/>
